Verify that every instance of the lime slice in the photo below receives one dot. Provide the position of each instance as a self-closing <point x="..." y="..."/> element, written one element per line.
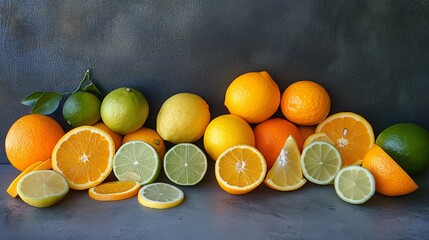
<point x="136" y="161"/>
<point x="354" y="184"/>
<point x="160" y="196"/>
<point x="42" y="188"/>
<point x="320" y="162"/>
<point x="185" y="164"/>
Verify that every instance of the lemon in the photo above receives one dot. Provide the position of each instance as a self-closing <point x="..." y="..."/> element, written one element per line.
<point x="354" y="184"/>
<point x="183" y="118"/>
<point x="160" y="196"/>
<point x="124" y="110"/>
<point x="81" y="108"/>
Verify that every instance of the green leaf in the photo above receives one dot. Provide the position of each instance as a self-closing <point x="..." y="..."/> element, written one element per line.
<point x="31" y="99"/>
<point x="47" y="103"/>
<point x="92" y="89"/>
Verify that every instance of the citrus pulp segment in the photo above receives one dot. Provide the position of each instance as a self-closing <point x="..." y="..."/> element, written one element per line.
<point x="286" y="173"/>
<point x="185" y="164"/>
<point x="114" y="191"/>
<point x="160" y="196"/>
<point x="320" y="162"/>
<point x="354" y="184"/>
<point x="136" y="161"/>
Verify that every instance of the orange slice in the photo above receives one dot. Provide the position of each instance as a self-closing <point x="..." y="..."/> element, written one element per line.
<point x="84" y="156"/>
<point x="352" y="134"/>
<point x="240" y="169"/>
<point x="114" y="191"/>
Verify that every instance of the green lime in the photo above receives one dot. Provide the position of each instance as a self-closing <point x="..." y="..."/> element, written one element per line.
<point x="160" y="196"/>
<point x="136" y="161"/>
<point x="320" y="162"/>
<point x="185" y="164"/>
<point x="81" y="108"/>
<point x="124" y="110"/>
<point x="407" y="144"/>
<point x="354" y="184"/>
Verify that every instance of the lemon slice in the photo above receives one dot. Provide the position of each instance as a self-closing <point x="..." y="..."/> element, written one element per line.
<point x="42" y="188"/>
<point x="185" y="164"/>
<point x="160" y="196"/>
<point x="286" y="173"/>
<point x="317" y="137"/>
<point x="320" y="162"/>
<point x="136" y="161"/>
<point x="354" y="184"/>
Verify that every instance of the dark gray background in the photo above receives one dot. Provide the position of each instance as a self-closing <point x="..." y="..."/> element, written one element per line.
<point x="371" y="56"/>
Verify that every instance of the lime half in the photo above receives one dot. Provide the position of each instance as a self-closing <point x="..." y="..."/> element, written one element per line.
<point x="160" y="196"/>
<point x="354" y="184"/>
<point x="136" y="161"/>
<point x="185" y="164"/>
<point x="320" y="162"/>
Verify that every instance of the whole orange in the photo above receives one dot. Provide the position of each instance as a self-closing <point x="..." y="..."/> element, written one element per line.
<point x="305" y="103"/>
<point x="270" y="136"/>
<point x="117" y="138"/>
<point x="254" y="96"/>
<point x="150" y="136"/>
<point x="31" y="139"/>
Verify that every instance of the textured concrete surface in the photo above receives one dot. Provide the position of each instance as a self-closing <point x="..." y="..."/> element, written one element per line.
<point x="312" y="212"/>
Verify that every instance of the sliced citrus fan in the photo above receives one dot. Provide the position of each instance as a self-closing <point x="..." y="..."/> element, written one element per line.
<point x="286" y="173"/>
<point x="42" y="188"/>
<point x="114" y="191"/>
<point x="240" y="169"/>
<point x="84" y="156"/>
<point x="137" y="161"/>
<point x="317" y="137"/>
<point x="160" y="196"/>
<point x="185" y="164"/>
<point x="354" y="184"/>
<point x="320" y="162"/>
<point x="352" y="134"/>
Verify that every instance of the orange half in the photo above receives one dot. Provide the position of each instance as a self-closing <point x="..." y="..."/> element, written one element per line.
<point x="84" y="156"/>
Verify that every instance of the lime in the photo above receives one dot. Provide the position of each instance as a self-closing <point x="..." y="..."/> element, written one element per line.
<point x="124" y="110"/>
<point x="160" y="196"/>
<point x="42" y="188"/>
<point x="407" y="144"/>
<point x="81" y="108"/>
<point x="185" y="164"/>
<point x="136" y="161"/>
<point x="320" y="162"/>
<point x="354" y="184"/>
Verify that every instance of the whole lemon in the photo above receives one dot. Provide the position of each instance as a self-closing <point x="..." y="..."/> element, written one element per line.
<point x="227" y="131"/>
<point x="183" y="118"/>
<point x="124" y="110"/>
<point x="81" y="108"/>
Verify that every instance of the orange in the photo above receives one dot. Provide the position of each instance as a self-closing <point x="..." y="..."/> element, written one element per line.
<point x="352" y="134"/>
<point x="305" y="103"/>
<point x="306" y="131"/>
<point x="390" y="178"/>
<point x="240" y="169"/>
<point x="254" y="96"/>
<point x="117" y="138"/>
<point x="147" y="135"/>
<point x="270" y="136"/>
<point x="31" y="139"/>
<point x="84" y="156"/>
<point x="227" y="131"/>
<point x="114" y="191"/>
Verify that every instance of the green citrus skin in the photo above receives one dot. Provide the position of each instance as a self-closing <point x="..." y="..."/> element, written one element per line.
<point x="82" y="108"/>
<point x="407" y="144"/>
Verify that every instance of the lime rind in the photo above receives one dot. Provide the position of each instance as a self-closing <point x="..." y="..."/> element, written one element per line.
<point x="136" y="161"/>
<point x="354" y="184"/>
<point x="160" y="195"/>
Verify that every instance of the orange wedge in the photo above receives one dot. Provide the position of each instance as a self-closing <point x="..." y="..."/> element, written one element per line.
<point x="114" y="191"/>
<point x="352" y="134"/>
<point x="240" y="169"/>
<point x="84" y="156"/>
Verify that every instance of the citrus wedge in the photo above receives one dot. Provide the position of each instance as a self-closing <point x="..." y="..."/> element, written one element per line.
<point x="317" y="137"/>
<point x="320" y="162"/>
<point x="160" y="196"/>
<point x="352" y="134"/>
<point x="84" y="156"/>
<point x="286" y="173"/>
<point x="114" y="191"/>
<point x="240" y="169"/>
<point x="11" y="190"/>
<point x="42" y="188"/>
<point x="354" y="184"/>
<point x="185" y="164"/>
<point x="136" y="161"/>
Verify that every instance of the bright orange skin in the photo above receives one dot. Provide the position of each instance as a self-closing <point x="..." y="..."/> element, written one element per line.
<point x="117" y="138"/>
<point x="147" y="135"/>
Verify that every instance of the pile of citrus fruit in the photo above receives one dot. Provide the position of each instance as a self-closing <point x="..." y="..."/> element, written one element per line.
<point x="250" y="146"/>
